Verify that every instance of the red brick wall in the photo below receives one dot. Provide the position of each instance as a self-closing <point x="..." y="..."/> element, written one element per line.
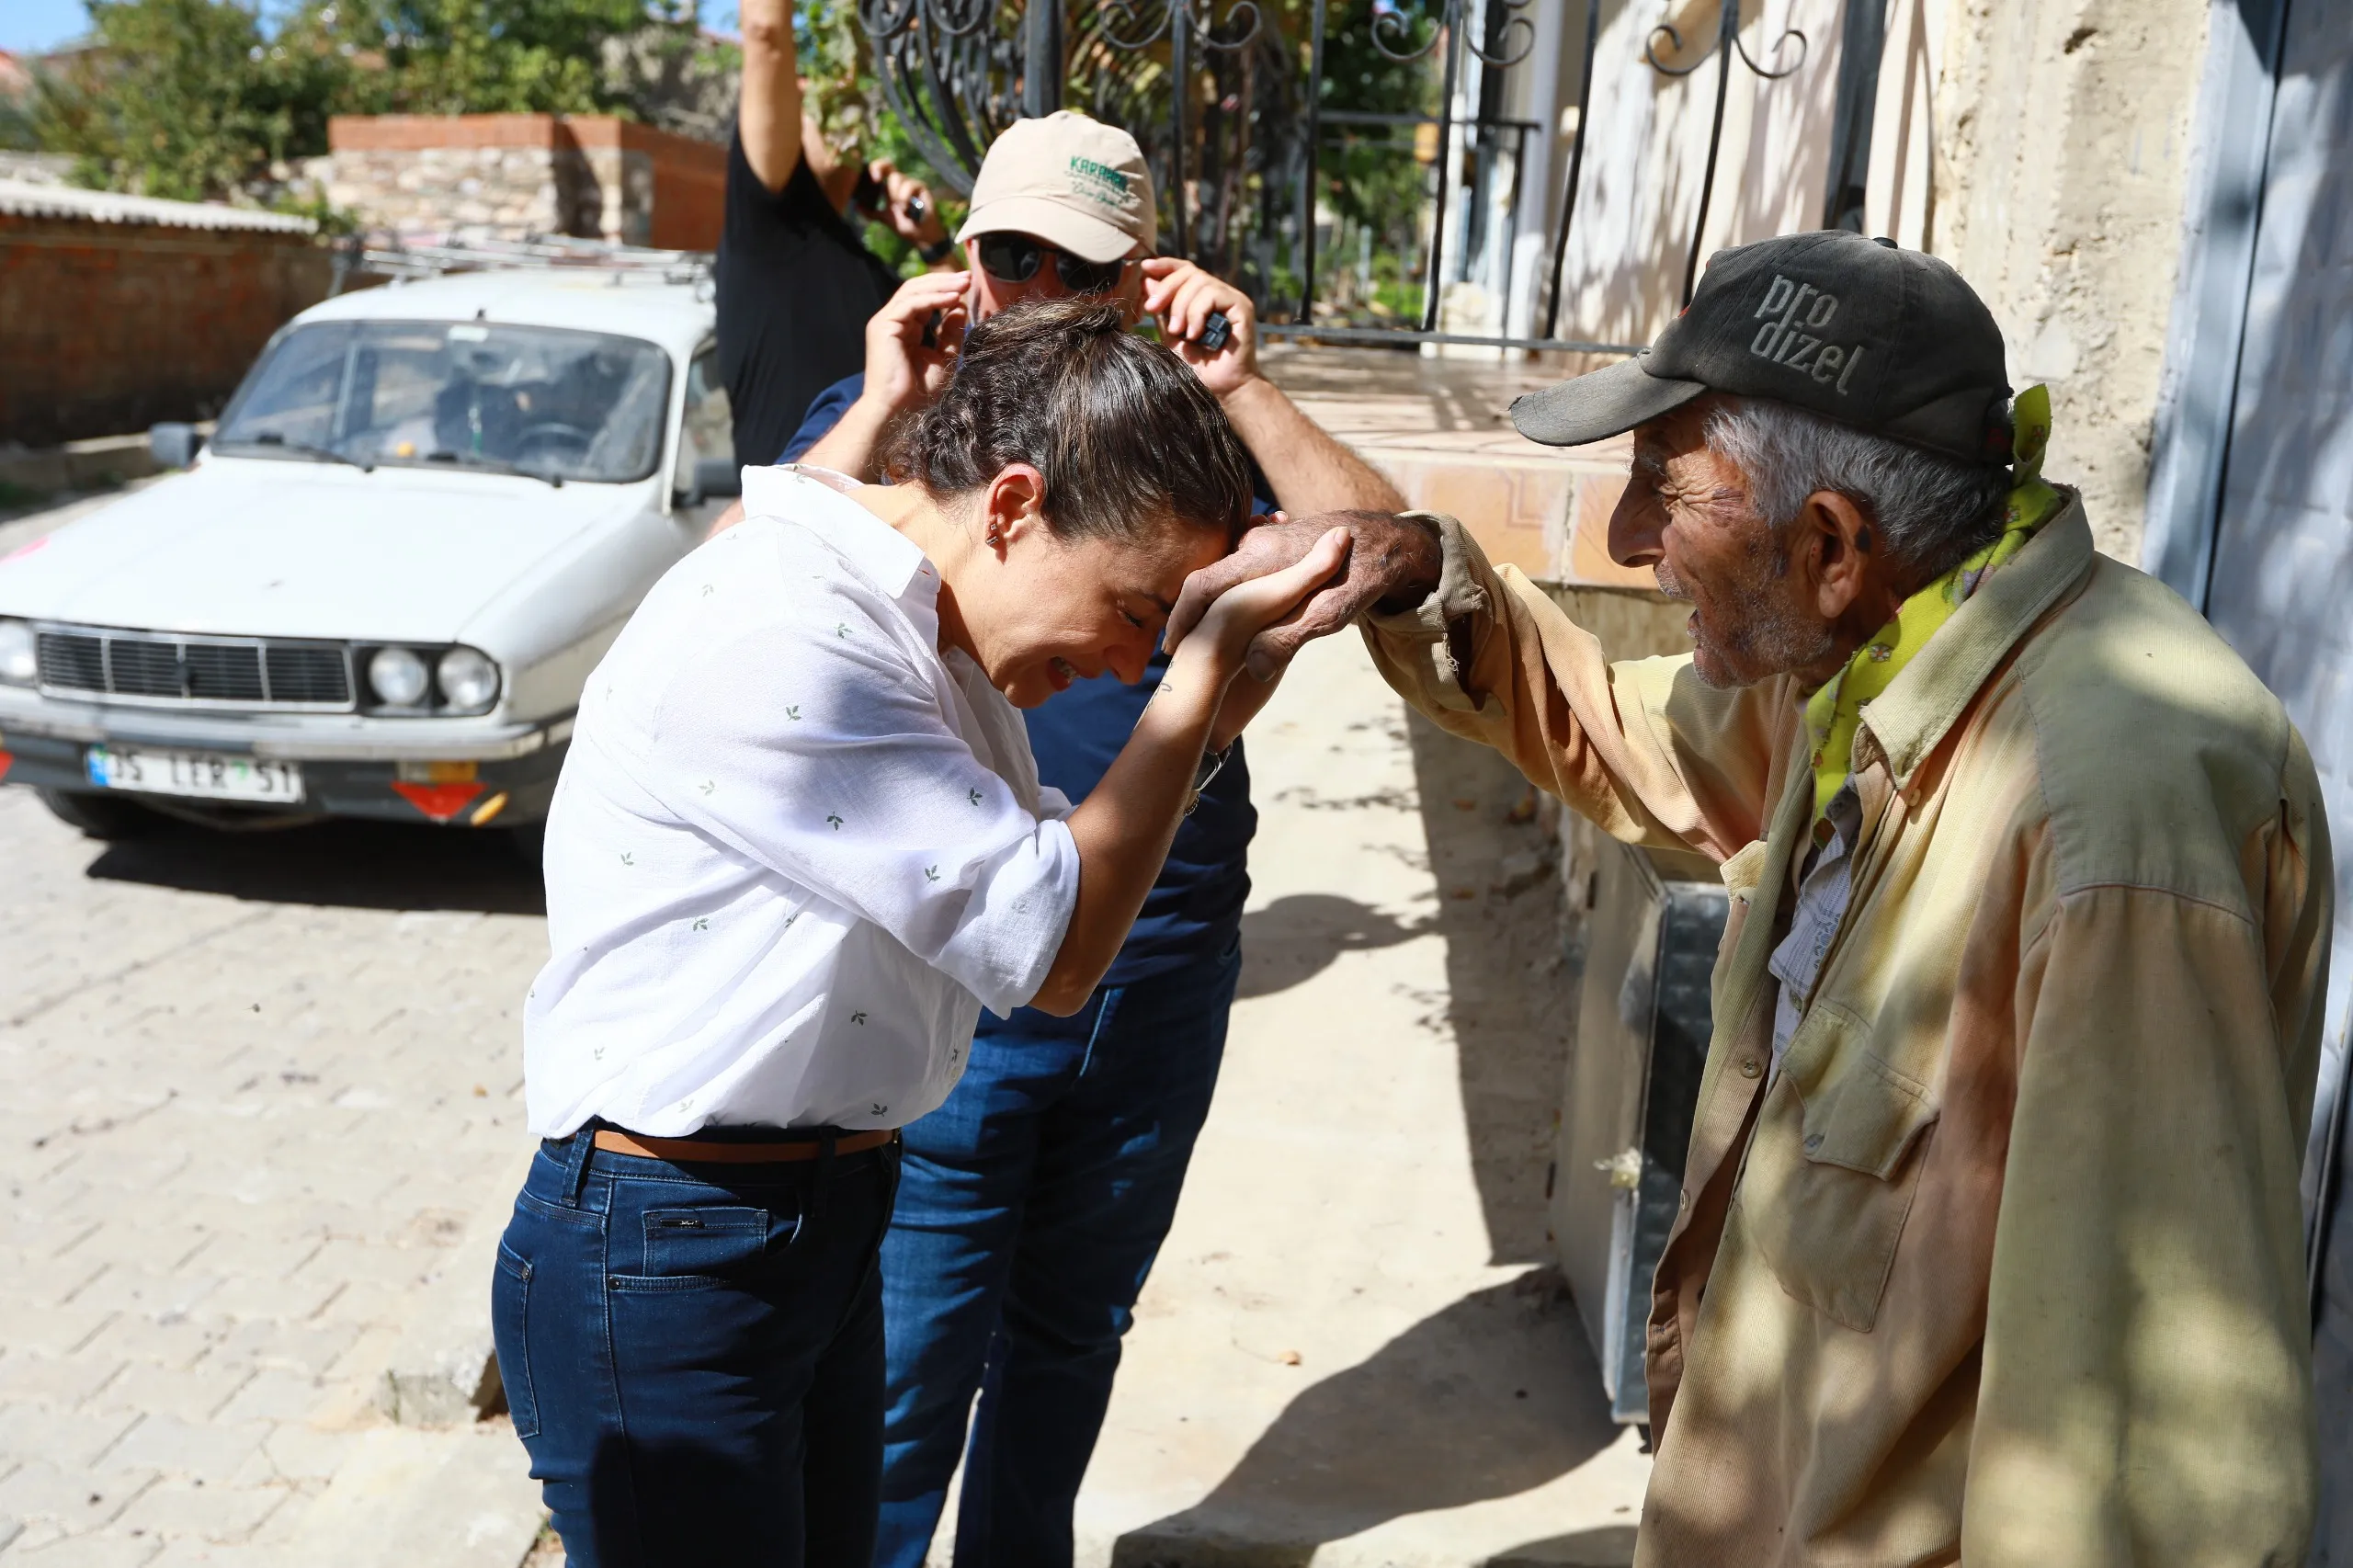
<point x="410" y="132"/>
<point x="106" y="328"/>
<point x="690" y="187"/>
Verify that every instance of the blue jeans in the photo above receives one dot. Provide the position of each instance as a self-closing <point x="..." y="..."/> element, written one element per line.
<point x="693" y="1355"/>
<point x="1030" y="1209"/>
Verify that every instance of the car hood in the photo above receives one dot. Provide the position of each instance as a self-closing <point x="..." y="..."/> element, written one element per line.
<point x="261" y="547"/>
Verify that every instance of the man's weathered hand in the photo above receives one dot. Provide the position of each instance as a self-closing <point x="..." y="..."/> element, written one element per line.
<point x="1393" y="565"/>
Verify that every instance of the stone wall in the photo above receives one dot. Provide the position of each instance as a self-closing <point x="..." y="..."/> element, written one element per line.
<point x="522" y="175"/>
<point x="107" y="327"/>
<point x="2065" y="129"/>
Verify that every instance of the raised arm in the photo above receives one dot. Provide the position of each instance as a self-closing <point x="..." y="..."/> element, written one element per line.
<point x="902" y="371"/>
<point x="1643" y="748"/>
<point x="1309" y="469"/>
<point x="769" y="117"/>
<point x="935" y="848"/>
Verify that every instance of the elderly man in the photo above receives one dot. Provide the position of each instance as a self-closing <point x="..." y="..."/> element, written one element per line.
<point x="1989" y="1248"/>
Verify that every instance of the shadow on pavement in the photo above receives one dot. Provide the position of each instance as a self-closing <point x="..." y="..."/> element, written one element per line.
<point x="1509" y="1004"/>
<point x="356" y="865"/>
<point x="1609" y="1547"/>
<point x="1491" y="1397"/>
<point x="1296" y="937"/>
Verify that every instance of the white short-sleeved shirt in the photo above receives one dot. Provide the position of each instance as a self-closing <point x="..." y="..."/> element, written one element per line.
<point x="794" y="847"/>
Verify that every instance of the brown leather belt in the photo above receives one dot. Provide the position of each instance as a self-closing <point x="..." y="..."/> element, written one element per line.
<point x="709" y="1152"/>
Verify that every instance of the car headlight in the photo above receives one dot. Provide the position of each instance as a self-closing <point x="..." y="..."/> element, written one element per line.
<point x="398" y="677"/>
<point x="468" y="681"/>
<point x="19" y="661"/>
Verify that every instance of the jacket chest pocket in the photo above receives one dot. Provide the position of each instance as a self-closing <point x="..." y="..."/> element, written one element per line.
<point x="1833" y="1167"/>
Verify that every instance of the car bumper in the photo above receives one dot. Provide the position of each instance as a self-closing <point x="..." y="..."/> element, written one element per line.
<point x="458" y="771"/>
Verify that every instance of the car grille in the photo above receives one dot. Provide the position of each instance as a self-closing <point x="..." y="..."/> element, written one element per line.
<point x="215" y="672"/>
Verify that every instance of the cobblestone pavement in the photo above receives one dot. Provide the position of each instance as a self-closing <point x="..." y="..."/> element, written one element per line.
<point x="255" y="1086"/>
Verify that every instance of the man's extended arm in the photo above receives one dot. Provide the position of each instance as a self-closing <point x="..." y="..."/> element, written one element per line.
<point x="1646" y="749"/>
<point x="768" y="117"/>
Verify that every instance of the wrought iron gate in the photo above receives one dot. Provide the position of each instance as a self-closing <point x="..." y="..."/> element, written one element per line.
<point x="1241" y="143"/>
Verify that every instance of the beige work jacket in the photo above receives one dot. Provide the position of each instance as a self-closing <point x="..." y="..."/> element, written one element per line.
<point x="2004" y="1265"/>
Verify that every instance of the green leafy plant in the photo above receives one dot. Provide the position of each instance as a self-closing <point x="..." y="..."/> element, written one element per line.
<point x="845" y="98"/>
<point x="197" y="99"/>
<point x="490" y="56"/>
<point x="189" y="99"/>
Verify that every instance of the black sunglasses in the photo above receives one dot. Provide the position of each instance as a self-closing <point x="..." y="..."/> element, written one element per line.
<point x="1014" y="258"/>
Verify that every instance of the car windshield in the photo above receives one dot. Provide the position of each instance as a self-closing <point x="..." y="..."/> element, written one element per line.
<point x="540" y="400"/>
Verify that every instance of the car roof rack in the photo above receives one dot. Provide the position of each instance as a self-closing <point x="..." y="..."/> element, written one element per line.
<point x="412" y="256"/>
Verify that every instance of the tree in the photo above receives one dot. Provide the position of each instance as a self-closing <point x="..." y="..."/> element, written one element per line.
<point x="493" y="56"/>
<point x="197" y="98"/>
<point x="188" y="99"/>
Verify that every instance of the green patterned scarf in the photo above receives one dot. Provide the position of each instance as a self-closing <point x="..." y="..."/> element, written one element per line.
<point x="1835" y="711"/>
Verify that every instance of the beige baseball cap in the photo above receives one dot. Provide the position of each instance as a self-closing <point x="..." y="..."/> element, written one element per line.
<point x="1072" y="181"/>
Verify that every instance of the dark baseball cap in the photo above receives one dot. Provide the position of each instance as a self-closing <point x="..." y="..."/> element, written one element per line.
<point x="1887" y="340"/>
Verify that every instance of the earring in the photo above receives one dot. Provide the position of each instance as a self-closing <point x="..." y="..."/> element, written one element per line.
<point x="995" y="540"/>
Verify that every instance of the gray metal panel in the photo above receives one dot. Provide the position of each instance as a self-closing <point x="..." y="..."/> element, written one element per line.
<point x="1602" y="1105"/>
<point x="2282" y="574"/>
<point x="2280" y="579"/>
<point x="2224" y="196"/>
<point x="1634" y="1079"/>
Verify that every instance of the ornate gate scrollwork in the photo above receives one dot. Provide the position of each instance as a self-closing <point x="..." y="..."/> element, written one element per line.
<point x="1235" y="134"/>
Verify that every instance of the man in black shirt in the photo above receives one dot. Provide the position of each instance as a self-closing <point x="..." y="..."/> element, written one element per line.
<point x="796" y="285"/>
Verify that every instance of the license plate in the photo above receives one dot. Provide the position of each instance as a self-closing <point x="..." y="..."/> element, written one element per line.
<point x="213" y="775"/>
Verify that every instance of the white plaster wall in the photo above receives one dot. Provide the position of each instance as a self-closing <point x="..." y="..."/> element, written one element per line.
<point x="1900" y="189"/>
<point x="2039" y="145"/>
<point x="2063" y="131"/>
<point x="1640" y="192"/>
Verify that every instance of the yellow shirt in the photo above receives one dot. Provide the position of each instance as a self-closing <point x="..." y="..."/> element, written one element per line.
<point x="2005" y="1264"/>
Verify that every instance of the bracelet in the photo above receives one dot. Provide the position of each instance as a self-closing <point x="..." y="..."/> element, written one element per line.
<point x="1213" y="763"/>
<point x="936" y="252"/>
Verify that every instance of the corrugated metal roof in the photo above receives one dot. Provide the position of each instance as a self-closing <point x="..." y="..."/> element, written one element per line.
<point x="23" y="199"/>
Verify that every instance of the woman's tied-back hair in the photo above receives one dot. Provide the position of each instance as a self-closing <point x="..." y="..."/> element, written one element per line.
<point x="1124" y="434"/>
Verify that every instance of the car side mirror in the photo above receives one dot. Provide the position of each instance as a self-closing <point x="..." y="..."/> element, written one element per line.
<point x="719" y="476"/>
<point x="173" y="445"/>
<point x="712" y="477"/>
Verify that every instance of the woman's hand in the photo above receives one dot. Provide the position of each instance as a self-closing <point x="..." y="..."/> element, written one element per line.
<point x="1122" y="829"/>
<point x="1245" y="609"/>
<point x="1393" y="562"/>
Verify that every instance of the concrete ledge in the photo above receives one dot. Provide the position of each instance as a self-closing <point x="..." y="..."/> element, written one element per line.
<point x="444" y="1371"/>
<point x="78" y="465"/>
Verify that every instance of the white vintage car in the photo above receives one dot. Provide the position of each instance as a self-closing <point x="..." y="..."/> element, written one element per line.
<point x="421" y="521"/>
